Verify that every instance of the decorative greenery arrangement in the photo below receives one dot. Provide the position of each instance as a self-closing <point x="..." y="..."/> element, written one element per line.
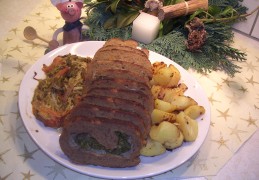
<point x="113" y="18"/>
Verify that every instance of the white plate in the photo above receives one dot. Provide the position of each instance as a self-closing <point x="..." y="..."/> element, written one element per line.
<point x="48" y="139"/>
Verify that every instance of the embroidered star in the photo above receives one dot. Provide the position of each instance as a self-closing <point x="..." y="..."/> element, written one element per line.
<point x="221" y="142"/>
<point x="236" y="131"/>
<point x="26" y="20"/>
<point x="212" y="124"/>
<point x="257" y="59"/>
<point x="7" y="56"/>
<point x="250" y="121"/>
<point x="20" y="67"/>
<point x="243" y="89"/>
<point x="5" y="177"/>
<point x="14" y="30"/>
<point x="256" y="107"/>
<point x="56" y="169"/>
<point x="5" y="79"/>
<point x="28" y="155"/>
<point x="251" y="81"/>
<point x="212" y="100"/>
<point x="16" y="48"/>
<point x="218" y="87"/>
<point x="227" y="81"/>
<point x="38" y="13"/>
<point x="27" y="176"/>
<point x="31" y="56"/>
<point x="3" y="153"/>
<point x="53" y="28"/>
<point x="34" y="45"/>
<point x="1" y="116"/>
<point x="13" y="133"/>
<point x="8" y="39"/>
<point x="17" y="114"/>
<point x="250" y="67"/>
<point x="224" y="114"/>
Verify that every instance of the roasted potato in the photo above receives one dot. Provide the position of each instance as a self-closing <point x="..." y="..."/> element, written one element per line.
<point x="167" y="94"/>
<point x="164" y="106"/>
<point x="175" y="76"/>
<point x="152" y="148"/>
<point x="194" y="111"/>
<point x="182" y="102"/>
<point x="158" y="65"/>
<point x="155" y="90"/>
<point x="188" y="126"/>
<point x="166" y="133"/>
<point x="175" y="144"/>
<point x="158" y="116"/>
<point x="166" y="76"/>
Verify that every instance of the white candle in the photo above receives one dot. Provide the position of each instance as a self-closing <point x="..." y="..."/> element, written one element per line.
<point x="145" y="28"/>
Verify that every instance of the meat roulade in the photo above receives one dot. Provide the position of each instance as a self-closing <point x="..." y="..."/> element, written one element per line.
<point x="112" y="122"/>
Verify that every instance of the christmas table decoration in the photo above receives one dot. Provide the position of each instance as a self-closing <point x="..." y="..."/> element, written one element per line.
<point x="198" y="36"/>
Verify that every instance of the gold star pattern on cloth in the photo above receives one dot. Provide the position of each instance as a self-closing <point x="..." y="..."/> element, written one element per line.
<point x="234" y="104"/>
<point x="27" y="176"/>
<point x="27" y="155"/>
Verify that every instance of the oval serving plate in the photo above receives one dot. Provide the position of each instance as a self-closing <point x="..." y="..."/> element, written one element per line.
<point x="48" y="139"/>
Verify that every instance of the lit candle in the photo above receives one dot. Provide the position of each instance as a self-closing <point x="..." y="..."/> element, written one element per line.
<point x="145" y="28"/>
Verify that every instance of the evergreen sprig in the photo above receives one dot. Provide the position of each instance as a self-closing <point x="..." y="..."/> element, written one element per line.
<point x="216" y="54"/>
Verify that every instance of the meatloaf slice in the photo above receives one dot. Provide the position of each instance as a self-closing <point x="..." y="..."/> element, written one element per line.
<point x="141" y="98"/>
<point x="85" y="142"/>
<point x="124" y="65"/>
<point x="94" y="111"/>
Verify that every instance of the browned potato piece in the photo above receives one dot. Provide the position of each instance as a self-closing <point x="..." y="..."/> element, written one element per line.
<point x="157" y="66"/>
<point x="168" y="94"/>
<point x="155" y="90"/>
<point x="157" y="116"/>
<point x="188" y="126"/>
<point x="194" y="111"/>
<point x="182" y="102"/>
<point x="163" y="76"/>
<point x="166" y="133"/>
<point x="164" y="106"/>
<point x="152" y="148"/>
<point x="175" y="76"/>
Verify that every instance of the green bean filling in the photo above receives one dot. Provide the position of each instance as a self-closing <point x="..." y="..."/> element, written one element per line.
<point x="89" y="143"/>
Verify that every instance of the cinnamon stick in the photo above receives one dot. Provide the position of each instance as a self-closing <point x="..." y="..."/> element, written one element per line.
<point x="182" y="9"/>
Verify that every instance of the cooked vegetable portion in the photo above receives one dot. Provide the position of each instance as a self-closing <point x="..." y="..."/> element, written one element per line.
<point x="61" y="90"/>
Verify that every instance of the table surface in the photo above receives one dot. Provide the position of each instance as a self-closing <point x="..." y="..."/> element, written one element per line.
<point x="229" y="152"/>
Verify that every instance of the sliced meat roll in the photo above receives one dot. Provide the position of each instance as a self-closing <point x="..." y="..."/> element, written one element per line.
<point x="112" y="122"/>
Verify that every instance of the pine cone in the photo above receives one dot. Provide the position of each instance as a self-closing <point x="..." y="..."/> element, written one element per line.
<point x="197" y="35"/>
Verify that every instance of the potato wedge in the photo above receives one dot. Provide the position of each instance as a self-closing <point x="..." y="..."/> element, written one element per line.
<point x="158" y="65"/>
<point x="164" y="106"/>
<point x="165" y="132"/>
<point x="194" y="111"/>
<point x="183" y="102"/>
<point x="175" y="144"/>
<point x="175" y="76"/>
<point x="155" y="90"/>
<point x="157" y="116"/>
<point x="163" y="76"/>
<point x="152" y="148"/>
<point x="188" y="126"/>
